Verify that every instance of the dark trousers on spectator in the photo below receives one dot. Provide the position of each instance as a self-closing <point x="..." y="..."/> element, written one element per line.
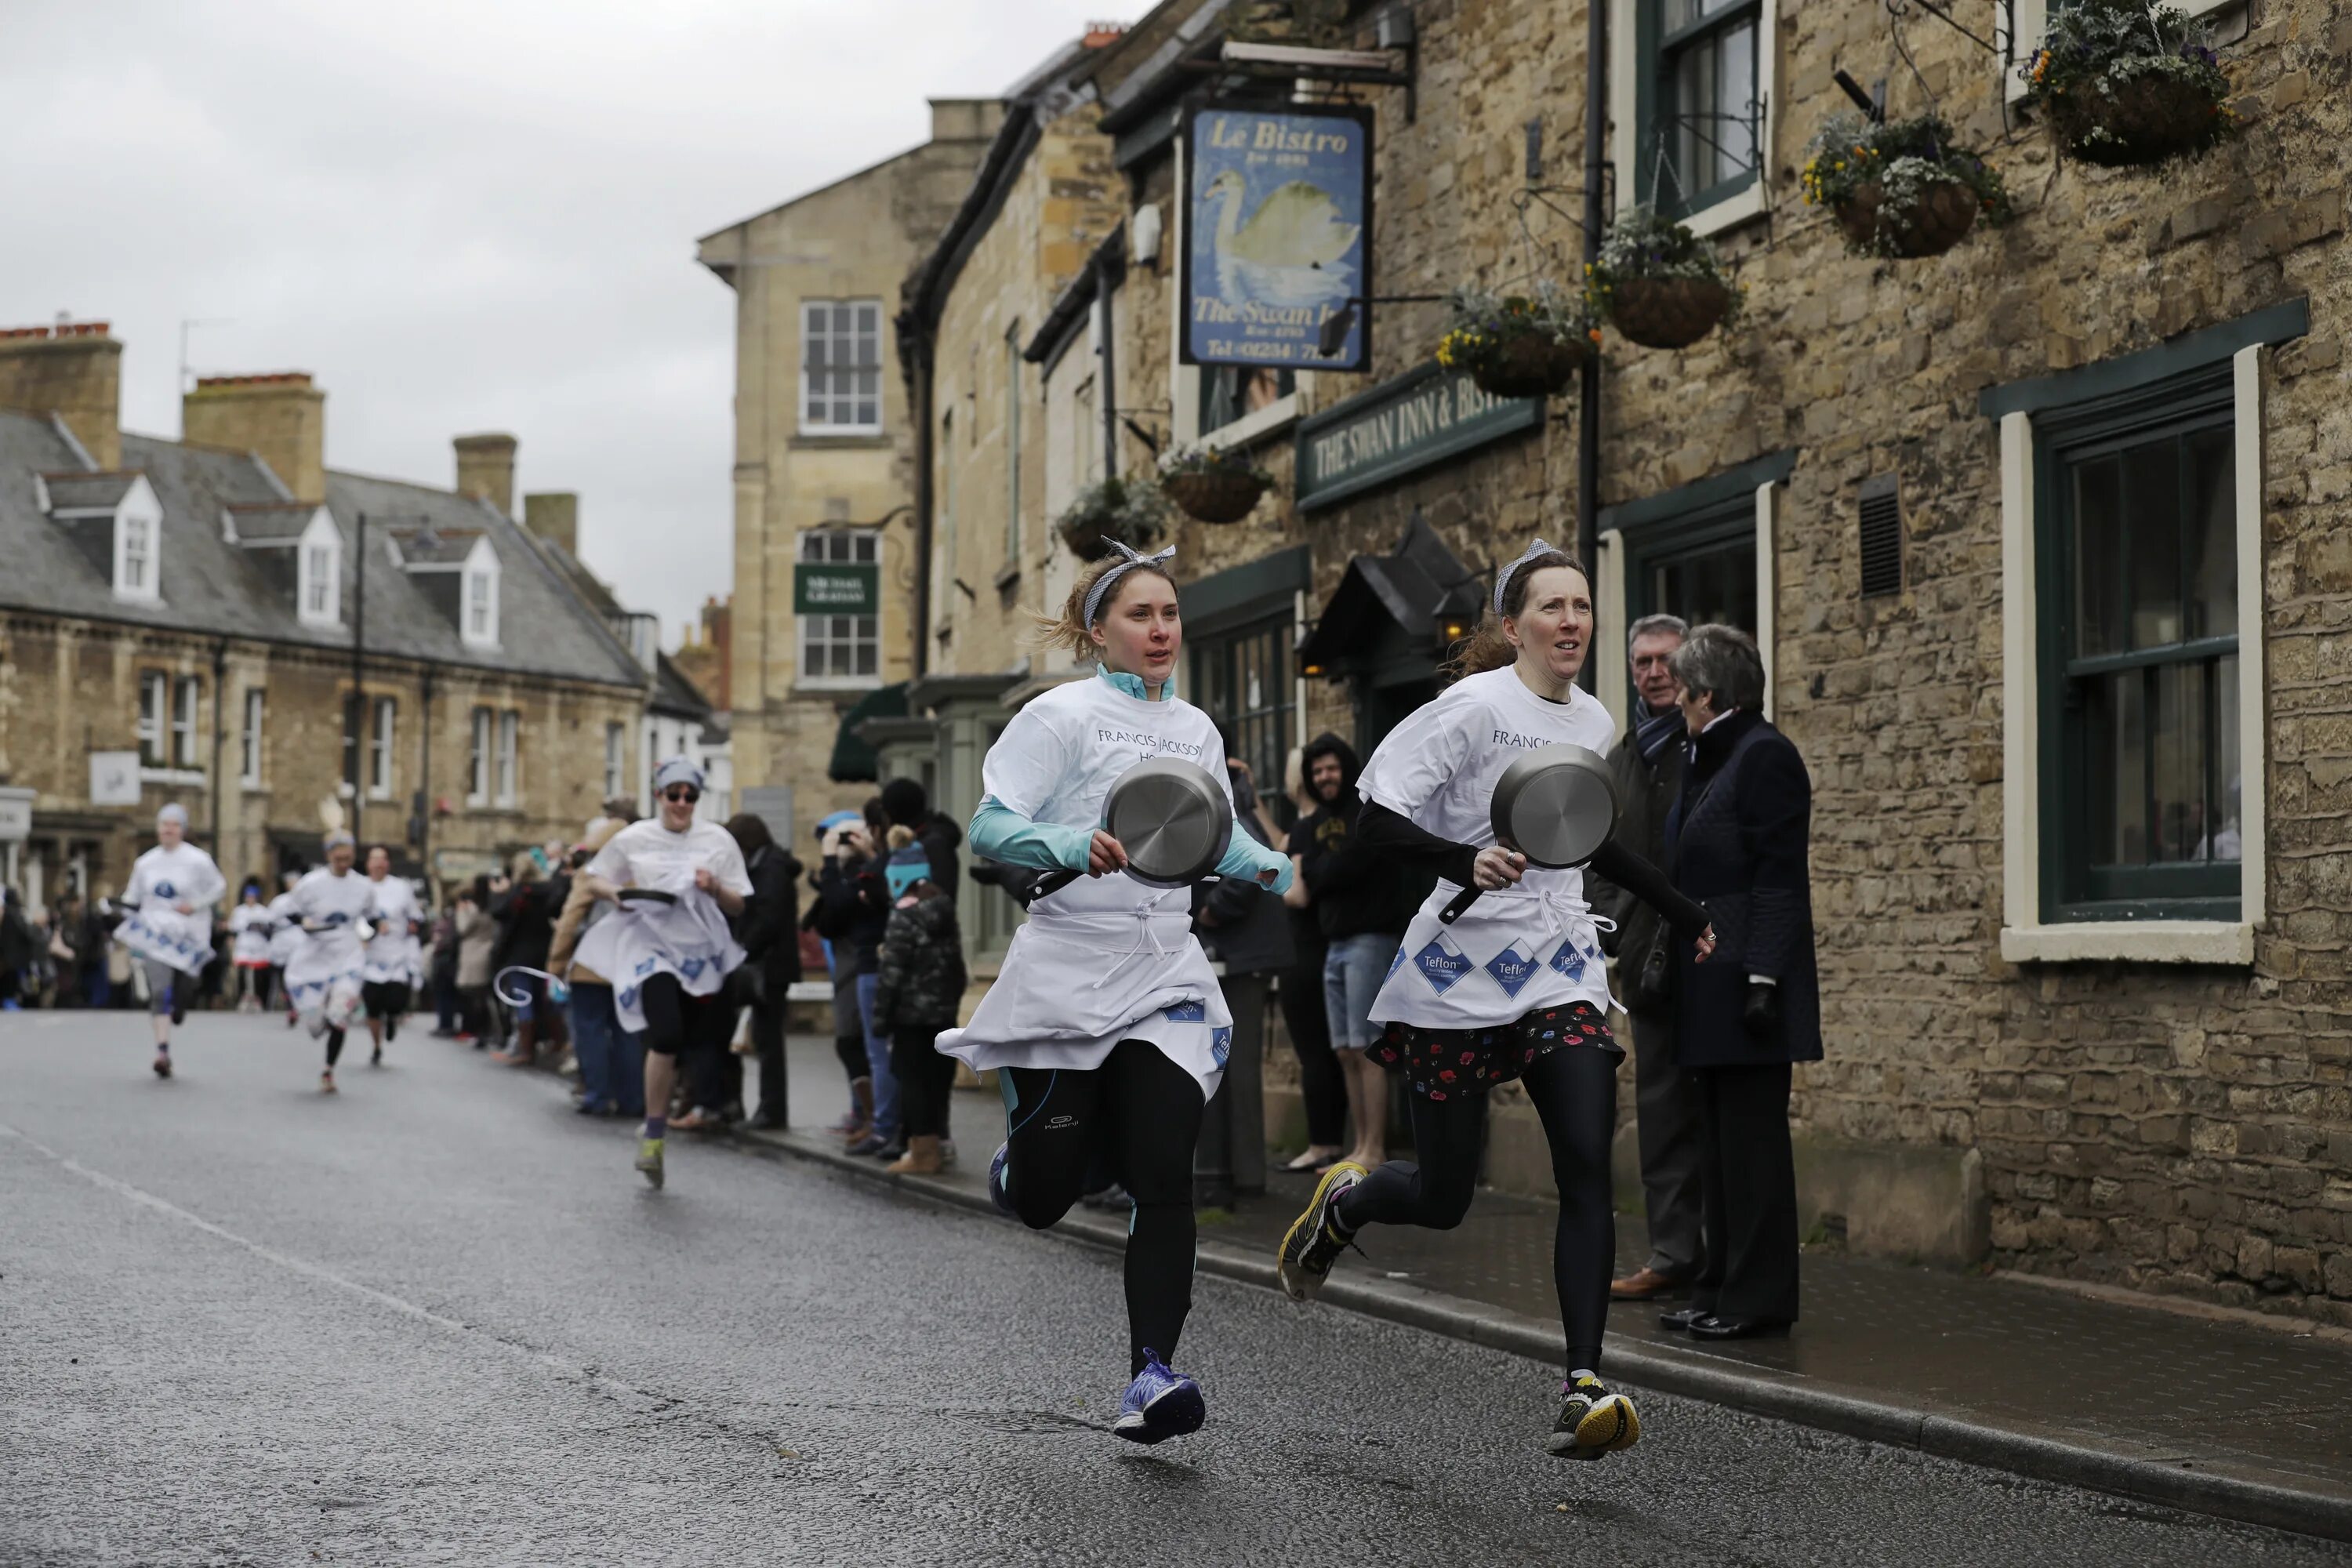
<point x="1320" y="1086"/>
<point x="1749" y="1173"/>
<point x="768" y="1046"/>
<point x="926" y="1079"/>
<point x="1666" y="1126"/>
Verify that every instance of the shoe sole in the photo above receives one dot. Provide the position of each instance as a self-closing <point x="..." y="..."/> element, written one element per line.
<point x="1175" y="1414"/>
<point x="653" y="1175"/>
<point x="1297" y="1283"/>
<point x="1611" y="1427"/>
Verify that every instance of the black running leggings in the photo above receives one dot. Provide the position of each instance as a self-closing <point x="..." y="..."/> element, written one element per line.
<point x="334" y="1049"/>
<point x="1575" y="1092"/>
<point x="1142" y="1113"/>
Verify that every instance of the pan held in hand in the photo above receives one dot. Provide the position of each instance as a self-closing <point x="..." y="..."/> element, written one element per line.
<point x="1174" y="820"/>
<point x="1555" y="806"/>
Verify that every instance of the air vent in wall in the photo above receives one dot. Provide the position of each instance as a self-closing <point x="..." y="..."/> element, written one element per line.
<point x="1882" y="536"/>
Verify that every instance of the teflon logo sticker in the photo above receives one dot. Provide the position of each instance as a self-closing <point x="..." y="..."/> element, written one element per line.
<point x="1512" y="969"/>
<point x="1442" y="964"/>
<point x="1220" y="1044"/>
<point x="1186" y="1013"/>
<point x="1570" y="959"/>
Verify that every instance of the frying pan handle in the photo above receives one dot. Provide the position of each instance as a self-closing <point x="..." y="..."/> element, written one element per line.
<point x="1054" y="882"/>
<point x="1462" y="902"/>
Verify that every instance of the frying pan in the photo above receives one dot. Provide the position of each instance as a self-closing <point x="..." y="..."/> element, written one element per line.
<point x="1556" y="805"/>
<point x="645" y="896"/>
<point x="1173" y="819"/>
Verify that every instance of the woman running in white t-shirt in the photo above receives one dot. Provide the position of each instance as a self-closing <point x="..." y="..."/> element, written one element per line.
<point x="1105" y="1023"/>
<point x="1516" y="988"/>
<point x="174" y="887"/>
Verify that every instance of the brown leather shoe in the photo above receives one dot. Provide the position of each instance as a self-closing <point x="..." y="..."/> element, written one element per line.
<point x="1646" y="1284"/>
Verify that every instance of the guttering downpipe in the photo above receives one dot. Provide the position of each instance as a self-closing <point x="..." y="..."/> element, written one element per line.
<point x="1105" y="279"/>
<point x="1588" y="402"/>
<point x="220" y="733"/>
<point x="915" y="347"/>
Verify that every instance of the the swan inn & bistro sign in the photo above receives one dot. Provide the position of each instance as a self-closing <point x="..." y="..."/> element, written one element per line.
<point x="1278" y="235"/>
<point x="1422" y="417"/>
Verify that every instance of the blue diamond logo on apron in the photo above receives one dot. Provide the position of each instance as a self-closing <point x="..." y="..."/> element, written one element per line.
<point x="1512" y="969"/>
<point x="690" y="968"/>
<point x="1395" y="963"/>
<point x="1568" y="960"/>
<point x="1442" y="966"/>
<point x="1220" y="1044"/>
<point x="1185" y="1013"/>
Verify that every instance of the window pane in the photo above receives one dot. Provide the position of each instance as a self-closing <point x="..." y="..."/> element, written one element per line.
<point x="2210" y="518"/>
<point x="843" y="319"/>
<point x="2228" y="842"/>
<point x="2151" y="522"/>
<point x="866" y="654"/>
<point x="2116" y="747"/>
<point x="869" y="413"/>
<point x="1681" y="14"/>
<point x="1717" y="584"/>
<point x="2177" y="737"/>
<point x="2098" y="554"/>
<point x="866" y="541"/>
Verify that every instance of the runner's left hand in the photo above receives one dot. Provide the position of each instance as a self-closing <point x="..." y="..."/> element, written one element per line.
<point x="1706" y="945"/>
<point x="703" y="881"/>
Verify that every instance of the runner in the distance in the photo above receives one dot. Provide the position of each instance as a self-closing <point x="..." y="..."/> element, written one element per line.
<point x="173" y="889"/>
<point x="249" y="927"/>
<point x="323" y="982"/>
<point x="1106" y="1022"/>
<point x="390" y="972"/>
<point x="287" y="939"/>
<point x="1516" y="988"/>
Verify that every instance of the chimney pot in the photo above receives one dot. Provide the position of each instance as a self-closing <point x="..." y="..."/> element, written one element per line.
<point x="486" y="465"/>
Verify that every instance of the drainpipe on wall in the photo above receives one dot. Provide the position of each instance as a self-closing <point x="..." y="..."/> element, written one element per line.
<point x="220" y="732"/>
<point x="424" y="793"/>
<point x="1588" y="402"/>
<point x="915" y="345"/>
<point x="1107" y="392"/>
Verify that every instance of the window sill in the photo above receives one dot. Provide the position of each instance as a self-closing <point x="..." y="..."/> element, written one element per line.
<point x="1007" y="576"/>
<point x="835" y="683"/>
<point x="2131" y="942"/>
<point x="1271" y="420"/>
<point x="1732" y="212"/>
<point x="191" y="777"/>
<point x="819" y="440"/>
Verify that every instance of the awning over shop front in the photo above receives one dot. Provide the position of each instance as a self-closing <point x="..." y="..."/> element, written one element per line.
<point x="853" y="761"/>
<point x="1388" y="606"/>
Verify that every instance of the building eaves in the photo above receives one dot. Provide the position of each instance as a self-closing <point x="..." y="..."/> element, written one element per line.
<point x="1160" y="77"/>
<point x="791" y="202"/>
<point x="1068" y="311"/>
<point x="928" y="286"/>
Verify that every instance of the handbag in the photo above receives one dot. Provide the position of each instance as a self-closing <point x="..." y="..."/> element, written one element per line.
<point x="1653" y="988"/>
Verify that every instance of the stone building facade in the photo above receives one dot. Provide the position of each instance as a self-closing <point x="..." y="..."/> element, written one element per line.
<point x="2120" y="1057"/>
<point x="176" y="624"/>
<point x="824" y="452"/>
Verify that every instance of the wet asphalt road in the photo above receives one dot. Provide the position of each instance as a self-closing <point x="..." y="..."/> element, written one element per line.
<point x="437" y="1318"/>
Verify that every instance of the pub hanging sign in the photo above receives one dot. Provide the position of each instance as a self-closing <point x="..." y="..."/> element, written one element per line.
<point x="1278" y="235"/>
<point x="835" y="588"/>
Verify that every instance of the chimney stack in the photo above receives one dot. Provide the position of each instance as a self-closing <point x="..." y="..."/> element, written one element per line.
<point x="486" y="468"/>
<point x="280" y="417"/>
<point x="554" y="514"/>
<point x="73" y="370"/>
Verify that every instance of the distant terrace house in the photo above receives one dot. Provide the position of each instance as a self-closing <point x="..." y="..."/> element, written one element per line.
<point x="176" y="624"/>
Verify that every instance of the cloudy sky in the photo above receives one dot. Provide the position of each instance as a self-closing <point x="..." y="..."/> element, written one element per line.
<point x="466" y="214"/>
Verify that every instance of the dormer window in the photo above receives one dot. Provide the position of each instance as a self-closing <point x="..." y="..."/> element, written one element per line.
<point x="135" y="562"/>
<point x="319" y="571"/>
<point x="318" y="583"/>
<point x="481" y="606"/>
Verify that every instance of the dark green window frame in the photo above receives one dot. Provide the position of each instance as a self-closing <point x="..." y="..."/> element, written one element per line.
<point x="2077" y="883"/>
<point x="1218" y="683"/>
<point x="1667" y="128"/>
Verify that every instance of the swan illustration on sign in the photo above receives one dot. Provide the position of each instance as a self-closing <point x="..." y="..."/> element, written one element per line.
<point x="1278" y="229"/>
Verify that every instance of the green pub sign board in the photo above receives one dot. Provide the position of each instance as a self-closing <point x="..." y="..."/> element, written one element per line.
<point x="1422" y="417"/>
<point x="836" y="588"/>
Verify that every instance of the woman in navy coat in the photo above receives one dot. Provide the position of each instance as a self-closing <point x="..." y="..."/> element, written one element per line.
<point x="1737" y="843"/>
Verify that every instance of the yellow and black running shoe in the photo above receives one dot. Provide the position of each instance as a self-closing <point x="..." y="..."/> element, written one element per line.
<point x="1593" y="1423"/>
<point x="1313" y="1243"/>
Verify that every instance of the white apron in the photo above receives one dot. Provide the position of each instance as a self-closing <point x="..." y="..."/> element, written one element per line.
<point x="392" y="953"/>
<point x="323" y="980"/>
<point x="286" y="933"/>
<point x="159" y="931"/>
<point x="1513" y="953"/>
<point x="688" y="939"/>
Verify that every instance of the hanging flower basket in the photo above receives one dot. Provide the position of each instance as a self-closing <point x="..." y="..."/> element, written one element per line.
<point x="2126" y="84"/>
<point x="1517" y="345"/>
<point x="1901" y="190"/>
<point x="1211" y="485"/>
<point x="1659" y="284"/>
<point x="1130" y="511"/>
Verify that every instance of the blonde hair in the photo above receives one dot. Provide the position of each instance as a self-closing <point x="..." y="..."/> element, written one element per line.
<point x="1068" y="630"/>
<point x="899" y="837"/>
<point x="1488" y="648"/>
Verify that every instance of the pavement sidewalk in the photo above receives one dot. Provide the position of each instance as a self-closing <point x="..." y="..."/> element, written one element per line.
<point x="2218" y="1416"/>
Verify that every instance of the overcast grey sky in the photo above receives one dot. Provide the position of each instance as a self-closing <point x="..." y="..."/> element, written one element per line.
<point x="465" y="216"/>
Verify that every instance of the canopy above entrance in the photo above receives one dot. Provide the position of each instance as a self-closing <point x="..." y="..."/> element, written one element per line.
<point x="1389" y="606"/>
<point x="853" y="760"/>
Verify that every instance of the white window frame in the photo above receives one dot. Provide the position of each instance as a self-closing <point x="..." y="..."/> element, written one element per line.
<point x="509" y="757"/>
<point x="154" y="729"/>
<point x="866" y="549"/>
<point x="134" y="556"/>
<point x="811" y="334"/>
<point x="319" y="571"/>
<point x="1256" y="425"/>
<point x="2025" y="938"/>
<point x="382" y="722"/>
<point x="615" y="759"/>
<point x="477" y="597"/>
<point x="2034" y="21"/>
<point x="187" y="712"/>
<point x="257" y="709"/>
<point x="1624" y="109"/>
<point x="477" y="759"/>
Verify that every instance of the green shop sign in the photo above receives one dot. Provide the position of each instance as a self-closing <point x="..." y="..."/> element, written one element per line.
<point x="836" y="588"/>
<point x="1422" y="418"/>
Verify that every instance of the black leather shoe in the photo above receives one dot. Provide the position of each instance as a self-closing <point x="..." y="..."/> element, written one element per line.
<point x="1720" y="1328"/>
<point x="1682" y="1318"/>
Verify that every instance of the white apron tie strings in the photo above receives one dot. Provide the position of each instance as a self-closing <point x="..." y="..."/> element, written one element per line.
<point x="1147" y="932"/>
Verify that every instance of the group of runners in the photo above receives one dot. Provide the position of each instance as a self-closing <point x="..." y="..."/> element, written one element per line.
<point x="344" y="943"/>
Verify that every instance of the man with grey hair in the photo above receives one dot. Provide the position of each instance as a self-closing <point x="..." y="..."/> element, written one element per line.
<point x="1647" y="767"/>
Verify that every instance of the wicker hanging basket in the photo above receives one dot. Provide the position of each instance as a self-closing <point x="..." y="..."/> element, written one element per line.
<point x="1211" y="496"/>
<point x="2145" y="119"/>
<point x="1087" y="536"/>
<point x="1668" y="313"/>
<point x="1941" y="218"/>
<point x="1531" y="364"/>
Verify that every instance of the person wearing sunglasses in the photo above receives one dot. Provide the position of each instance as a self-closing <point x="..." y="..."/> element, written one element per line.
<point x="673" y="950"/>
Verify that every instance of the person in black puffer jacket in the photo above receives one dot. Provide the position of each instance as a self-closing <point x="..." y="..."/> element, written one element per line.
<point x="917" y="997"/>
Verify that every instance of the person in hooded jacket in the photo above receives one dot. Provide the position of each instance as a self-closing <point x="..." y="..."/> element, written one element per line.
<point x="1362" y="899"/>
<point x="768" y="928"/>
<point x="918" y="990"/>
<point x="908" y="805"/>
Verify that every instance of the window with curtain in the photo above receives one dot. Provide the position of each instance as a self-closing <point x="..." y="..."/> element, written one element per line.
<point x="1704" y="104"/>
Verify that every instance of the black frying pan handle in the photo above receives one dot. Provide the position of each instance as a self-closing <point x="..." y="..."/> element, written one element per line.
<point x="1461" y="904"/>
<point x="1052" y="882"/>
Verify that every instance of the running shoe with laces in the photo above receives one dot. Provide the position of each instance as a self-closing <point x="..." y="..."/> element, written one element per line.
<point x="1593" y="1423"/>
<point x="998" y="1193"/>
<point x="326" y="1083"/>
<point x="1159" y="1404"/>
<point x="649" y="1161"/>
<point x="1313" y="1244"/>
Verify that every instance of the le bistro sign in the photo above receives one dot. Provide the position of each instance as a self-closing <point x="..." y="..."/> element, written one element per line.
<point x="1424" y="417"/>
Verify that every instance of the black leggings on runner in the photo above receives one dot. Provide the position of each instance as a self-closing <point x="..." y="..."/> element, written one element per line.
<point x="335" y="1047"/>
<point x="1142" y="1112"/>
<point x="1575" y="1092"/>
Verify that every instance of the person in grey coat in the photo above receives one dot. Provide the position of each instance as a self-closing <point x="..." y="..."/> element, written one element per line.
<point x="1739" y="840"/>
<point x="1647" y="768"/>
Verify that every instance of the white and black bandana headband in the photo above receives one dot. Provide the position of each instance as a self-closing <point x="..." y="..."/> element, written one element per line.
<point x="1104" y="584"/>
<point x="1503" y="578"/>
